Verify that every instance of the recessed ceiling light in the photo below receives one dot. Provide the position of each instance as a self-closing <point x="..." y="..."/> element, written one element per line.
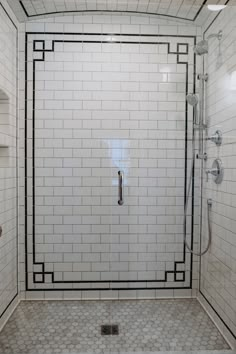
<point x="216" y="7"/>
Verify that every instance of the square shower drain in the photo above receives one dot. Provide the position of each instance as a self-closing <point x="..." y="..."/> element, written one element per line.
<point x="107" y="330"/>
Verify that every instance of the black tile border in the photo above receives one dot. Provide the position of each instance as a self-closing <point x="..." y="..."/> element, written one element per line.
<point x="212" y="307"/>
<point x="111" y="11"/>
<point x="8" y="16"/>
<point x="110" y="282"/>
<point x="17" y="230"/>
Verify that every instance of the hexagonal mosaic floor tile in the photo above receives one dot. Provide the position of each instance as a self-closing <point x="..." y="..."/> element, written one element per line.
<point x="46" y="327"/>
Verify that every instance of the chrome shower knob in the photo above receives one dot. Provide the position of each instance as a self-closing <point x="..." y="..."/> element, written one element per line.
<point x="217" y="171"/>
<point x="216" y="138"/>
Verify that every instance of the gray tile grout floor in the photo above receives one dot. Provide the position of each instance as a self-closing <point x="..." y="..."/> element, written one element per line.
<point x="69" y="327"/>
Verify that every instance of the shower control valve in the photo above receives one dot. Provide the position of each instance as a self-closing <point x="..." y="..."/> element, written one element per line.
<point x="217" y="171"/>
<point x="216" y="138"/>
<point x="212" y="171"/>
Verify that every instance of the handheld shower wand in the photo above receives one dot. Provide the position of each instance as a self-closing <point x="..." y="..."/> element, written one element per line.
<point x="192" y="99"/>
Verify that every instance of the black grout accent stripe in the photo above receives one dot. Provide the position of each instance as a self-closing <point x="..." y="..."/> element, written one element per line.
<point x="17" y="155"/>
<point x="193" y="176"/>
<point x="8" y="16"/>
<point x="24" y="9"/>
<point x="95" y="11"/>
<point x="200" y="9"/>
<point x="43" y="273"/>
<point x="106" y="281"/>
<point x="4" y="311"/>
<point x="113" y="34"/>
<point x="26" y="154"/>
<point x="113" y="11"/>
<point x="111" y="289"/>
<point x="204" y="296"/>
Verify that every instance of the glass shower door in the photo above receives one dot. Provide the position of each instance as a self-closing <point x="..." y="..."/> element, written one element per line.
<point x="153" y="153"/>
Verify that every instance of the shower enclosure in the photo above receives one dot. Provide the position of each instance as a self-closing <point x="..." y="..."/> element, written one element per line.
<point x="126" y="177"/>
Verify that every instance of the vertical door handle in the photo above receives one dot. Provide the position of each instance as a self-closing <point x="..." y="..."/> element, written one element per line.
<point x="120" y="188"/>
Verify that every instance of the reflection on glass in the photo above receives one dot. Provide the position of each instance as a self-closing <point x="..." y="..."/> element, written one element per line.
<point x="120" y="157"/>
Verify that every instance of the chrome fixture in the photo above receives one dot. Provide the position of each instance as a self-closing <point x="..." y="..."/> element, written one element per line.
<point x="203" y="77"/>
<point x="192" y="99"/>
<point x="201" y="47"/>
<point x="216" y="138"/>
<point x="121" y="182"/>
<point x="209" y="202"/>
<point x="216" y="35"/>
<point x="198" y="126"/>
<point x="201" y="253"/>
<point x="199" y="123"/>
<point x="202" y="156"/>
<point x="217" y="171"/>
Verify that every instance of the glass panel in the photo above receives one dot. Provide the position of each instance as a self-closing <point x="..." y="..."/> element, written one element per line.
<point x="149" y="259"/>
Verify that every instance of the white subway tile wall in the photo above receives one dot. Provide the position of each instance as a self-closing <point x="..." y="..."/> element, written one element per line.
<point x="105" y="103"/>
<point x="219" y="265"/>
<point x="8" y="162"/>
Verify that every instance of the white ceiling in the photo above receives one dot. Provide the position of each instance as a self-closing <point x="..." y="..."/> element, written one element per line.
<point x="190" y="10"/>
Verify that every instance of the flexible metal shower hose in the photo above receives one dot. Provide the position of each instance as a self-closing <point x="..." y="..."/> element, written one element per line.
<point x="186" y="207"/>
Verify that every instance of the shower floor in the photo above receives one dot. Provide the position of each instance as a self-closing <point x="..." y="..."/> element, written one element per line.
<point x="48" y="327"/>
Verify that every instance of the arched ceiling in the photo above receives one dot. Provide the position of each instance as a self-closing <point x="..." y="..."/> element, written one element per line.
<point x="189" y="10"/>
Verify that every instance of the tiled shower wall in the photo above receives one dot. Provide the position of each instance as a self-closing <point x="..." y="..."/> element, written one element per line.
<point x="99" y="103"/>
<point x="8" y="162"/>
<point x="219" y="265"/>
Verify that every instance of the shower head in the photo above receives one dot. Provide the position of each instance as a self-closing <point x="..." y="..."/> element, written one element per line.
<point x="216" y="35"/>
<point x="192" y="99"/>
<point x="201" y="47"/>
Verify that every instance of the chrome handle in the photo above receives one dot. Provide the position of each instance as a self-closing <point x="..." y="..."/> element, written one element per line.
<point x="212" y="171"/>
<point x="121" y="181"/>
<point x="217" y="171"/>
<point x="216" y="138"/>
<point x="209" y="202"/>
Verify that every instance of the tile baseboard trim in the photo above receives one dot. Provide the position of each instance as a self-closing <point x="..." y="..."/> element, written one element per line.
<point x="29" y="296"/>
<point x="9" y="312"/>
<point x="217" y="321"/>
